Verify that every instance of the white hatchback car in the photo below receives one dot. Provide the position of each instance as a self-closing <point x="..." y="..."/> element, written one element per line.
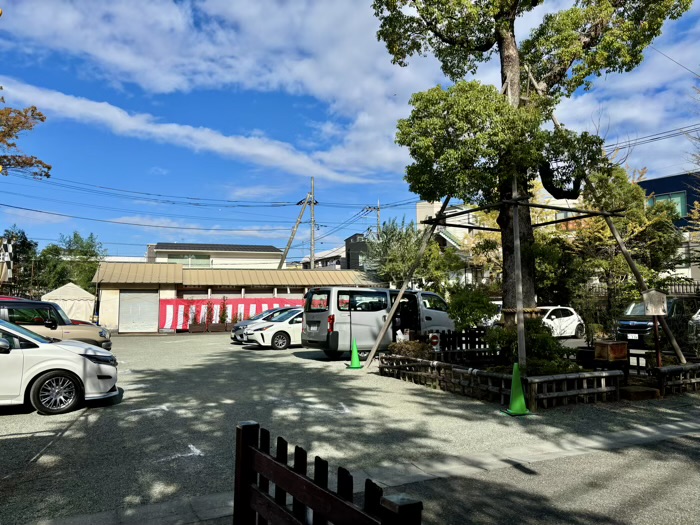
<point x="55" y="376"/>
<point x="279" y="332"/>
<point x="563" y="321"/>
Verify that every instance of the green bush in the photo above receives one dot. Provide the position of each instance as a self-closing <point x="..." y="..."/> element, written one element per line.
<point x="546" y="355"/>
<point x="412" y="349"/>
<point x="470" y="306"/>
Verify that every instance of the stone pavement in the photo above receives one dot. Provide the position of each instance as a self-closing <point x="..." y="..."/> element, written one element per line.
<point x="217" y="508"/>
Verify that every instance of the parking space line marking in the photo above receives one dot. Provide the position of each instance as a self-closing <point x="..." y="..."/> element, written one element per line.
<point x="194" y="451"/>
<point x="151" y="409"/>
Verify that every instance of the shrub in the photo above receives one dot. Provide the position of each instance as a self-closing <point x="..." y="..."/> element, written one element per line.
<point x="545" y="354"/>
<point x="210" y="313"/>
<point x="412" y="349"/>
<point x="223" y="313"/>
<point x="470" y="306"/>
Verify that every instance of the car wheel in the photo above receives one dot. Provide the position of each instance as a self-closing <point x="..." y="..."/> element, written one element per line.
<point x="580" y="332"/>
<point x="56" y="392"/>
<point x="280" y="341"/>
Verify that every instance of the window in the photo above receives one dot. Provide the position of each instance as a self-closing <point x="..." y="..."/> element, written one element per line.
<point x="433" y="302"/>
<point x="677" y="198"/>
<point x="565" y="313"/>
<point x="362" y="301"/>
<point x="317" y="301"/>
<point x="190" y="261"/>
<point x="31" y="316"/>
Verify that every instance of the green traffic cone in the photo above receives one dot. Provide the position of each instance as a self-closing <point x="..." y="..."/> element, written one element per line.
<point x="355" y="357"/>
<point x="517" y="399"/>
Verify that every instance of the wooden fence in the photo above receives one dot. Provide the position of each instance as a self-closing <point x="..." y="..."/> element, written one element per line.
<point x="312" y="502"/>
<point x="541" y="391"/>
<point x="678" y="378"/>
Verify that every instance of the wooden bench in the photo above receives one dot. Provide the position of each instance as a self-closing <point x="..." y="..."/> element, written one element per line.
<point x="263" y="483"/>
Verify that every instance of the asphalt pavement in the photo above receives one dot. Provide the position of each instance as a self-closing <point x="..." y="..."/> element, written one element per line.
<point x="170" y="439"/>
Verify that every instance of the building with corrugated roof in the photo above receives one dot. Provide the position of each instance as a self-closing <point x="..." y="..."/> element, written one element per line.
<point x="132" y="295"/>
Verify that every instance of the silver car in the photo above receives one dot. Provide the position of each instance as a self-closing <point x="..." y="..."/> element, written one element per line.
<point x="238" y="331"/>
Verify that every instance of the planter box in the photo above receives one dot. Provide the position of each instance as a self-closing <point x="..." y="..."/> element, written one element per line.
<point x="197" y="328"/>
<point x="217" y="327"/>
<point x="611" y="350"/>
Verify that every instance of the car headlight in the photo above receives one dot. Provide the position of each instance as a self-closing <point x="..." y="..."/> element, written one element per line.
<point x="101" y="359"/>
<point x="263" y="328"/>
<point x="104" y="333"/>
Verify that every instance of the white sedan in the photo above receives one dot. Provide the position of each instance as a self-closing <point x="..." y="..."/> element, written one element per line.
<point x="563" y="321"/>
<point x="278" y="333"/>
<point x="56" y="376"/>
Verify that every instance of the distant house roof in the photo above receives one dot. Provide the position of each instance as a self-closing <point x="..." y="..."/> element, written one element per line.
<point x="335" y="252"/>
<point x="138" y="273"/>
<point x="163" y="273"/>
<point x="193" y="247"/>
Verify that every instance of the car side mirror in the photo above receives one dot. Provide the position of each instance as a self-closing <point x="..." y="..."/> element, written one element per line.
<point x="4" y="346"/>
<point x="51" y="324"/>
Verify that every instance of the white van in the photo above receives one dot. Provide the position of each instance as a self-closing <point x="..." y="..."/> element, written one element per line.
<point x="334" y="316"/>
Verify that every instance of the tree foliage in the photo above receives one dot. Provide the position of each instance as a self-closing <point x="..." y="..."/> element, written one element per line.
<point x="471" y="141"/>
<point x="14" y="122"/>
<point x="391" y="255"/>
<point x="74" y="258"/>
<point x="470" y="306"/>
<point x="23" y="258"/>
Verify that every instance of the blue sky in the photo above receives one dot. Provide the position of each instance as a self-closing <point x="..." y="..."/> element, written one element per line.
<point x="160" y="112"/>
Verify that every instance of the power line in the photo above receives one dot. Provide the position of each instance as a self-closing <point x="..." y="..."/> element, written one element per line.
<point x="655" y="137"/>
<point x="127" y="223"/>
<point x="674" y="61"/>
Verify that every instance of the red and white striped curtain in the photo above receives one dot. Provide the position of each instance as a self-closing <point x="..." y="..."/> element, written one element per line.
<point x="172" y="311"/>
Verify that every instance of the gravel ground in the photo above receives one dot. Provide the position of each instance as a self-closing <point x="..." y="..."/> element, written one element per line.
<point x="172" y="434"/>
<point x="648" y="485"/>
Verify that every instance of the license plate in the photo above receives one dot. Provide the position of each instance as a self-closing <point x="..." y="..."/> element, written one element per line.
<point x="313" y="328"/>
<point x="632" y="336"/>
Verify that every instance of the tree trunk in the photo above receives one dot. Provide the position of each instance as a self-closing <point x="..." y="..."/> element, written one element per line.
<point x="510" y="79"/>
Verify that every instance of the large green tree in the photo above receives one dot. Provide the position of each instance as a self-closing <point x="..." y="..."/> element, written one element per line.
<point x="471" y="141"/>
<point x="391" y="255"/>
<point x="74" y="258"/>
<point x="23" y="259"/>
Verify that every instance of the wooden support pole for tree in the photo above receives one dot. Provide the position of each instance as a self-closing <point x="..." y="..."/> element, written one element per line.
<point x="519" y="317"/>
<point x="643" y="287"/>
<point x="427" y="235"/>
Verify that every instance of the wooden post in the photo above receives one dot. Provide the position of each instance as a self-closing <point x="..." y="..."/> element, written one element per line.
<point x="519" y="317"/>
<point x="643" y="286"/>
<point x="387" y="322"/>
<point x="401" y="510"/>
<point x="247" y="433"/>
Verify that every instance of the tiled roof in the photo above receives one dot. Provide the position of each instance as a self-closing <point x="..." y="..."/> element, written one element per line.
<point x="193" y="247"/>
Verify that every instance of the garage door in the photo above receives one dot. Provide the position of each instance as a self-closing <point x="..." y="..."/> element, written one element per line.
<point x="138" y="311"/>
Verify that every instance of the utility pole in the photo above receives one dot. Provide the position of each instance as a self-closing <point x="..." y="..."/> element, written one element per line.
<point x="294" y="231"/>
<point x="376" y="208"/>
<point x="312" y="257"/>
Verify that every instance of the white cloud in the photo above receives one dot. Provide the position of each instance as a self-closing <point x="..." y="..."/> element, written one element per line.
<point x="326" y="50"/>
<point x="169" y="228"/>
<point x="158" y="171"/>
<point x="32" y="217"/>
<point x="257" y="150"/>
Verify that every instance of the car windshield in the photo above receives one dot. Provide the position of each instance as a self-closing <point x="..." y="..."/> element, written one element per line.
<point x="285" y="316"/>
<point x="24" y="332"/>
<point x="637" y="308"/>
<point x="63" y="315"/>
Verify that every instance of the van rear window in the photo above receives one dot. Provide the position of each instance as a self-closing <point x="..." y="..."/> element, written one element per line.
<point x="362" y="301"/>
<point x="317" y="301"/>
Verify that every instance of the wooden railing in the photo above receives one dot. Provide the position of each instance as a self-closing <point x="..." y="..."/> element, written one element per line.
<point x="312" y="502"/>
<point x="541" y="391"/>
<point x="678" y="378"/>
